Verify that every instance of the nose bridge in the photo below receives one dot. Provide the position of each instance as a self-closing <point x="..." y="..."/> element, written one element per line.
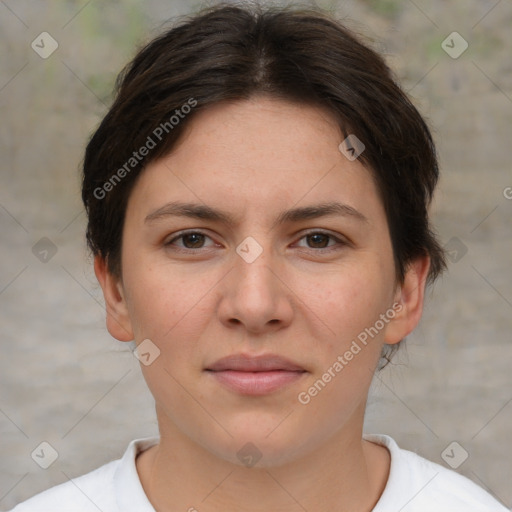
<point x="253" y="294"/>
<point x="252" y="268"/>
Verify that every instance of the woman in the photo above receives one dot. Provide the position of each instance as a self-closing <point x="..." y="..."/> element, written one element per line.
<point x="257" y="208"/>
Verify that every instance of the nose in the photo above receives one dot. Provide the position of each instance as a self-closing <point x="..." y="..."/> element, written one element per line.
<point x="255" y="295"/>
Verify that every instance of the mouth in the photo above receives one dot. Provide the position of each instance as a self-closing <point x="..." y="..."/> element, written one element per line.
<point x="255" y="375"/>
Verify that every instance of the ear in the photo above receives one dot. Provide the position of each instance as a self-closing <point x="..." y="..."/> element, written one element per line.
<point x="409" y="301"/>
<point x="118" y="320"/>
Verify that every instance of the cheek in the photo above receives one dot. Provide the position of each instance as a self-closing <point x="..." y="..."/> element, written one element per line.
<point x="168" y="306"/>
<point x="152" y="304"/>
<point x="349" y="303"/>
<point x="348" y="300"/>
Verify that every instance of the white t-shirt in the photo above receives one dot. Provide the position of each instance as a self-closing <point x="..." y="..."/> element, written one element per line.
<point x="414" y="485"/>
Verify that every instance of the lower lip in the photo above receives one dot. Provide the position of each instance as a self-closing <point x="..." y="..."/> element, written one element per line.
<point x="256" y="383"/>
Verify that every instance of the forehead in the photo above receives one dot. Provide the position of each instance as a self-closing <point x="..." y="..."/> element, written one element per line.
<point x="262" y="154"/>
<point x="263" y="130"/>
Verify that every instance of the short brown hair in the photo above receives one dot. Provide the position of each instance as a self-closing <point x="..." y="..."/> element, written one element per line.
<point x="231" y="52"/>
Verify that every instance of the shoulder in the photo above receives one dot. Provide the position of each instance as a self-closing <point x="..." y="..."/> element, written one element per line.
<point x="86" y="493"/>
<point x="416" y="484"/>
<point x="114" y="487"/>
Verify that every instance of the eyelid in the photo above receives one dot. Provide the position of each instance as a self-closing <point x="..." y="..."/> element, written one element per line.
<point x="181" y="234"/>
<point x="341" y="240"/>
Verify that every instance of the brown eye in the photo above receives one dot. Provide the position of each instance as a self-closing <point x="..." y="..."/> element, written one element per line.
<point x="318" y="240"/>
<point x="189" y="240"/>
<point x="322" y="242"/>
<point x="193" y="240"/>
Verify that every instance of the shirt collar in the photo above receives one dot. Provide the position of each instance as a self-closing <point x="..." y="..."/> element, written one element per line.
<point x="128" y="489"/>
<point x="130" y="494"/>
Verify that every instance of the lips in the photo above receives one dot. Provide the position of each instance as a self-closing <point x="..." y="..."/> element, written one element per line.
<point x="255" y="375"/>
<point x="246" y="363"/>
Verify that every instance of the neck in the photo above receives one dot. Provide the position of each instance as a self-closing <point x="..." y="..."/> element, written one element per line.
<point x="346" y="473"/>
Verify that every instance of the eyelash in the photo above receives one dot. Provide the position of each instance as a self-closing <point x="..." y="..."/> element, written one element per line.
<point x="182" y="234"/>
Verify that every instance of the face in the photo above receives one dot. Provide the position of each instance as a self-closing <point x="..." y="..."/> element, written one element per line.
<point x="256" y="265"/>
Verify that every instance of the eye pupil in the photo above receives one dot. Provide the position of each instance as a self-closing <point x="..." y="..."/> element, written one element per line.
<point x="318" y="239"/>
<point x="196" y="240"/>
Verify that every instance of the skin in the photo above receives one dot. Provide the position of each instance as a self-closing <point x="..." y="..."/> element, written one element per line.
<point x="254" y="159"/>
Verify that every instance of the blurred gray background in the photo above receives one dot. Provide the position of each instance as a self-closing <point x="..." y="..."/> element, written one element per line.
<point x="65" y="381"/>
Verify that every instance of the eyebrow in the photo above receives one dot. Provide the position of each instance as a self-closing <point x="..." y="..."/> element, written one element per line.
<point x="204" y="212"/>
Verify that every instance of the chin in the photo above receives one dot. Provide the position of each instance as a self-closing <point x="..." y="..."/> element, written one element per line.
<point x="256" y="445"/>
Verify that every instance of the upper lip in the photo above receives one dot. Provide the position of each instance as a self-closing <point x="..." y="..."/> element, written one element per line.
<point x="248" y="363"/>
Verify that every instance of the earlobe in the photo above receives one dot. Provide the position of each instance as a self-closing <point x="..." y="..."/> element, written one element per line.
<point x="117" y="317"/>
<point x="409" y="299"/>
